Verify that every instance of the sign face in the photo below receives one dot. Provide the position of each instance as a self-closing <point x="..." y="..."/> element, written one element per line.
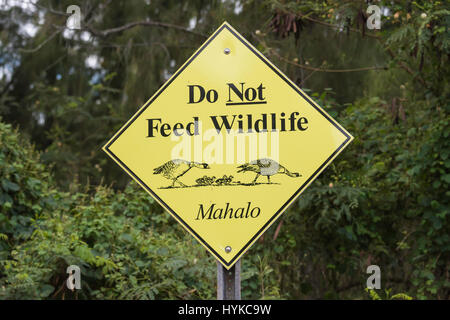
<point x="227" y="144"/>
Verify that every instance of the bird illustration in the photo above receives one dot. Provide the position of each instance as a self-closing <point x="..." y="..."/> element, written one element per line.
<point x="266" y="167"/>
<point x="176" y="168"/>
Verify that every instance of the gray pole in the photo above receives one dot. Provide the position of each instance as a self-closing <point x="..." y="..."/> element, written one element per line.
<point x="229" y="282"/>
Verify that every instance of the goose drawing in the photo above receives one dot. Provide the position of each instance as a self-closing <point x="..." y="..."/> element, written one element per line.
<point x="174" y="169"/>
<point x="266" y="167"/>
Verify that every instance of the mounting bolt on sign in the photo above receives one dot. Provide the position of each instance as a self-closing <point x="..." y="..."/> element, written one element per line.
<point x="225" y="146"/>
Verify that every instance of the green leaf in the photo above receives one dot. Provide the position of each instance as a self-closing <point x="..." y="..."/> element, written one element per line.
<point x="45" y="290"/>
<point x="10" y="186"/>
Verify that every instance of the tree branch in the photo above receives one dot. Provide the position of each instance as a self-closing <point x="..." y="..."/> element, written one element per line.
<point x="392" y="55"/>
<point x="107" y="32"/>
<point x="43" y="43"/>
<point x="406" y="68"/>
<point x="335" y="26"/>
<point x="306" y="67"/>
<point x="8" y="85"/>
<point x="51" y="10"/>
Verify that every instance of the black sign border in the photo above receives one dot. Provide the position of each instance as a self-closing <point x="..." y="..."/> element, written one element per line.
<point x="285" y="205"/>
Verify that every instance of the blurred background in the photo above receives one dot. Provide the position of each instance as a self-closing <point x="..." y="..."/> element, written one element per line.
<point x="68" y="81"/>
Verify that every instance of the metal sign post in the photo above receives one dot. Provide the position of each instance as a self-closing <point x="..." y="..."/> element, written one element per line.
<point x="229" y="282"/>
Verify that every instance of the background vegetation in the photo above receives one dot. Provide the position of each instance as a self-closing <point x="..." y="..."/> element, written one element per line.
<point x="384" y="201"/>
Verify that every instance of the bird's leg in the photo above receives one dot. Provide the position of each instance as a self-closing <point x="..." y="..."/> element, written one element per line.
<point x="268" y="179"/>
<point x="181" y="183"/>
<point x="256" y="178"/>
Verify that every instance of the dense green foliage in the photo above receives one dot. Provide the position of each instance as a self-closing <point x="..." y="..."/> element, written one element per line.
<point x="126" y="246"/>
<point x="24" y="189"/>
<point x="383" y="201"/>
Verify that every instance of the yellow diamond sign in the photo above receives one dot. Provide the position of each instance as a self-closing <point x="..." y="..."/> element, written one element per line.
<point x="227" y="144"/>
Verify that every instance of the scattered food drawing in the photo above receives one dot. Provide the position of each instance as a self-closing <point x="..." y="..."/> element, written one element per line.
<point x="205" y="181"/>
<point x="174" y="169"/>
<point x="225" y="180"/>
